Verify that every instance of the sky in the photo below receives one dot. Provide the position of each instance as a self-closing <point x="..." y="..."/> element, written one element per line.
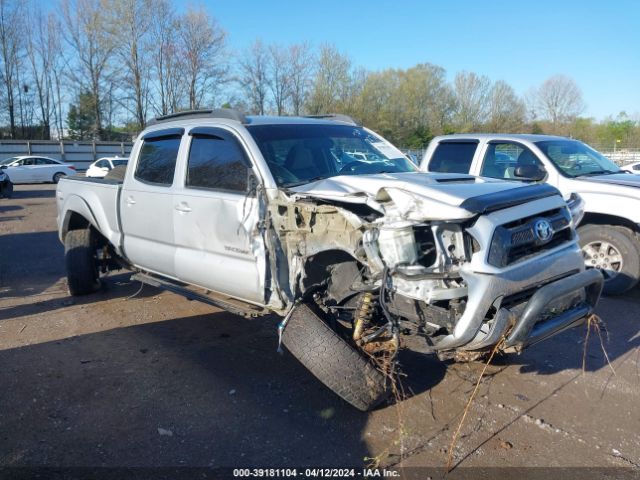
<point x="597" y="43"/>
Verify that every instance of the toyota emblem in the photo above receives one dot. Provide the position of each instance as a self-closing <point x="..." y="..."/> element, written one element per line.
<point x="543" y="230"/>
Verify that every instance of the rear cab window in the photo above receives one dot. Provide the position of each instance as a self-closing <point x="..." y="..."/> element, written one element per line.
<point x="158" y="156"/>
<point x="453" y="157"/>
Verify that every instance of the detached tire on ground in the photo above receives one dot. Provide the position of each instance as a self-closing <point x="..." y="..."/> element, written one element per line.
<point x="614" y="251"/>
<point x="333" y="361"/>
<point x="82" y="271"/>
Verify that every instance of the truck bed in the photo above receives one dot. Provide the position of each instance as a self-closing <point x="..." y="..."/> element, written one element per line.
<point x="95" y="199"/>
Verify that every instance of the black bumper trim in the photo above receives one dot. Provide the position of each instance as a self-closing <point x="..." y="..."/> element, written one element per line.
<point x="528" y="331"/>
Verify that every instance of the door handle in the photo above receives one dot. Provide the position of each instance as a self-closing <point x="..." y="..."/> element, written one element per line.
<point x="130" y="201"/>
<point x="183" y="208"/>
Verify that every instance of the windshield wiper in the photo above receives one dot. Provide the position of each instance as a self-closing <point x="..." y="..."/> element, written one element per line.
<point x="303" y="182"/>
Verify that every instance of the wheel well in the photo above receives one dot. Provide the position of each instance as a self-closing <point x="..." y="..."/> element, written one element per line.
<point x="604" y="219"/>
<point x="335" y="270"/>
<point x="74" y="221"/>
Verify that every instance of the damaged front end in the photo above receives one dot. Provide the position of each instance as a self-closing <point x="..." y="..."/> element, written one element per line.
<point x="393" y="266"/>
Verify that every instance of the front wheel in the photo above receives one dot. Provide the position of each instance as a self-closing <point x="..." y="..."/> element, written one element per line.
<point x="80" y="259"/>
<point x="615" y="252"/>
<point x="333" y="361"/>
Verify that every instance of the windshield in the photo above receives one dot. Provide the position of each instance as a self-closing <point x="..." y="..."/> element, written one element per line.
<point x="303" y="153"/>
<point x="7" y="161"/>
<point x="119" y="162"/>
<point x="576" y="159"/>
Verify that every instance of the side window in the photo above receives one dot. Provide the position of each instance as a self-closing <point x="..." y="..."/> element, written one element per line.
<point x="502" y="158"/>
<point x="29" y="161"/>
<point x="44" y="161"/>
<point x="453" y="157"/>
<point x="157" y="160"/>
<point x="217" y="162"/>
<point x="102" y="164"/>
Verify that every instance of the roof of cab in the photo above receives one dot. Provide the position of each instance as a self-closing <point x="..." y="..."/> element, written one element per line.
<point x="528" y="137"/>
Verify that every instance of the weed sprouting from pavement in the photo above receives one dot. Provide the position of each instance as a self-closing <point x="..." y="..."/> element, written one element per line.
<point x="469" y="402"/>
<point x="595" y="322"/>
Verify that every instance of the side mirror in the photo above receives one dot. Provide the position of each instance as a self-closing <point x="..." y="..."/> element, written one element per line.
<point x="532" y="173"/>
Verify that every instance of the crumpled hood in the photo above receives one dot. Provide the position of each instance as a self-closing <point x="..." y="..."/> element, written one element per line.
<point x="415" y="195"/>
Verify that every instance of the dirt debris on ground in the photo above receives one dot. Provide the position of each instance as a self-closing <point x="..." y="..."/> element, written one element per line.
<point x="130" y="377"/>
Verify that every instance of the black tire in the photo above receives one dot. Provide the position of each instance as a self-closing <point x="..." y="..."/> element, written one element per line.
<point x="333" y="361"/>
<point x="6" y="189"/>
<point x="82" y="271"/>
<point x="58" y="176"/>
<point x="620" y="276"/>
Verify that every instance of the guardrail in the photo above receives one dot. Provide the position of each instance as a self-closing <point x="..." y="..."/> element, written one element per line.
<point x="78" y="153"/>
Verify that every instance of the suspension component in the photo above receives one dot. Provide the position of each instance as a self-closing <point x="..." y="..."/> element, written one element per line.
<point x="363" y="315"/>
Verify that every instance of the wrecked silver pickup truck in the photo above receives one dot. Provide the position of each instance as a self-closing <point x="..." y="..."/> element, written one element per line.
<point x="328" y="225"/>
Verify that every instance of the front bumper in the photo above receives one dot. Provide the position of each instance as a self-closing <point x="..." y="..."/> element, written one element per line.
<point x="560" y="295"/>
<point x="573" y="298"/>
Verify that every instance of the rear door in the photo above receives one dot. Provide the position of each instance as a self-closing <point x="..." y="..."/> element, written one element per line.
<point x="146" y="203"/>
<point x="453" y="156"/>
<point x="45" y="169"/>
<point x="215" y="217"/>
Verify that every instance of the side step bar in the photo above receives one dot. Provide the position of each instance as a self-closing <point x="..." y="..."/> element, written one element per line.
<point x="246" y="310"/>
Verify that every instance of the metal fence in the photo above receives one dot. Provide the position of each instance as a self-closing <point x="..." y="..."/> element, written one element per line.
<point x="623" y="157"/>
<point x="78" y="153"/>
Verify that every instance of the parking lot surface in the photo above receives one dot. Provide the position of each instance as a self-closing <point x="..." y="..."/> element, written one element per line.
<point x="133" y="376"/>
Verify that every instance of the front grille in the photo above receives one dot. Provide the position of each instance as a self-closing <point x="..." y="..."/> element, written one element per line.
<point x="518" y="240"/>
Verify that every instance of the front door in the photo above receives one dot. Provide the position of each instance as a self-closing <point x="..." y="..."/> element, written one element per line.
<point x="215" y="218"/>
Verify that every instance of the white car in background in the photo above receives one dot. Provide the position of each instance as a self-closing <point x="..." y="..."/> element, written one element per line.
<point x="35" y="169"/>
<point x="632" y="167"/>
<point x="102" y="166"/>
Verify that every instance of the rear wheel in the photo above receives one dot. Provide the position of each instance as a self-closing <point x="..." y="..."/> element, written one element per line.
<point x="615" y="252"/>
<point x="333" y="361"/>
<point x="58" y="176"/>
<point x="80" y="259"/>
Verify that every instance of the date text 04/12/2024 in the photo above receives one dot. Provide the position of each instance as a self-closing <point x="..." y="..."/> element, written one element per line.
<point x="314" y="473"/>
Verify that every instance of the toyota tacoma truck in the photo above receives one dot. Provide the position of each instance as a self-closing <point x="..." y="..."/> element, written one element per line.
<point x="610" y="228"/>
<point x="328" y="225"/>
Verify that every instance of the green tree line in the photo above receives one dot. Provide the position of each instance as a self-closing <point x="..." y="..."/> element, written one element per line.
<point x="100" y="69"/>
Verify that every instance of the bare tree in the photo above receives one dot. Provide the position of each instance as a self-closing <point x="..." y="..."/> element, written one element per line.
<point x="471" y="96"/>
<point x="506" y="112"/>
<point x="301" y="62"/>
<point x="44" y="54"/>
<point x="87" y="34"/>
<point x="279" y="76"/>
<point x="253" y="76"/>
<point x="130" y="26"/>
<point x="332" y="84"/>
<point x="559" y="99"/>
<point x="11" y="34"/>
<point x="165" y="57"/>
<point x="204" y="43"/>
